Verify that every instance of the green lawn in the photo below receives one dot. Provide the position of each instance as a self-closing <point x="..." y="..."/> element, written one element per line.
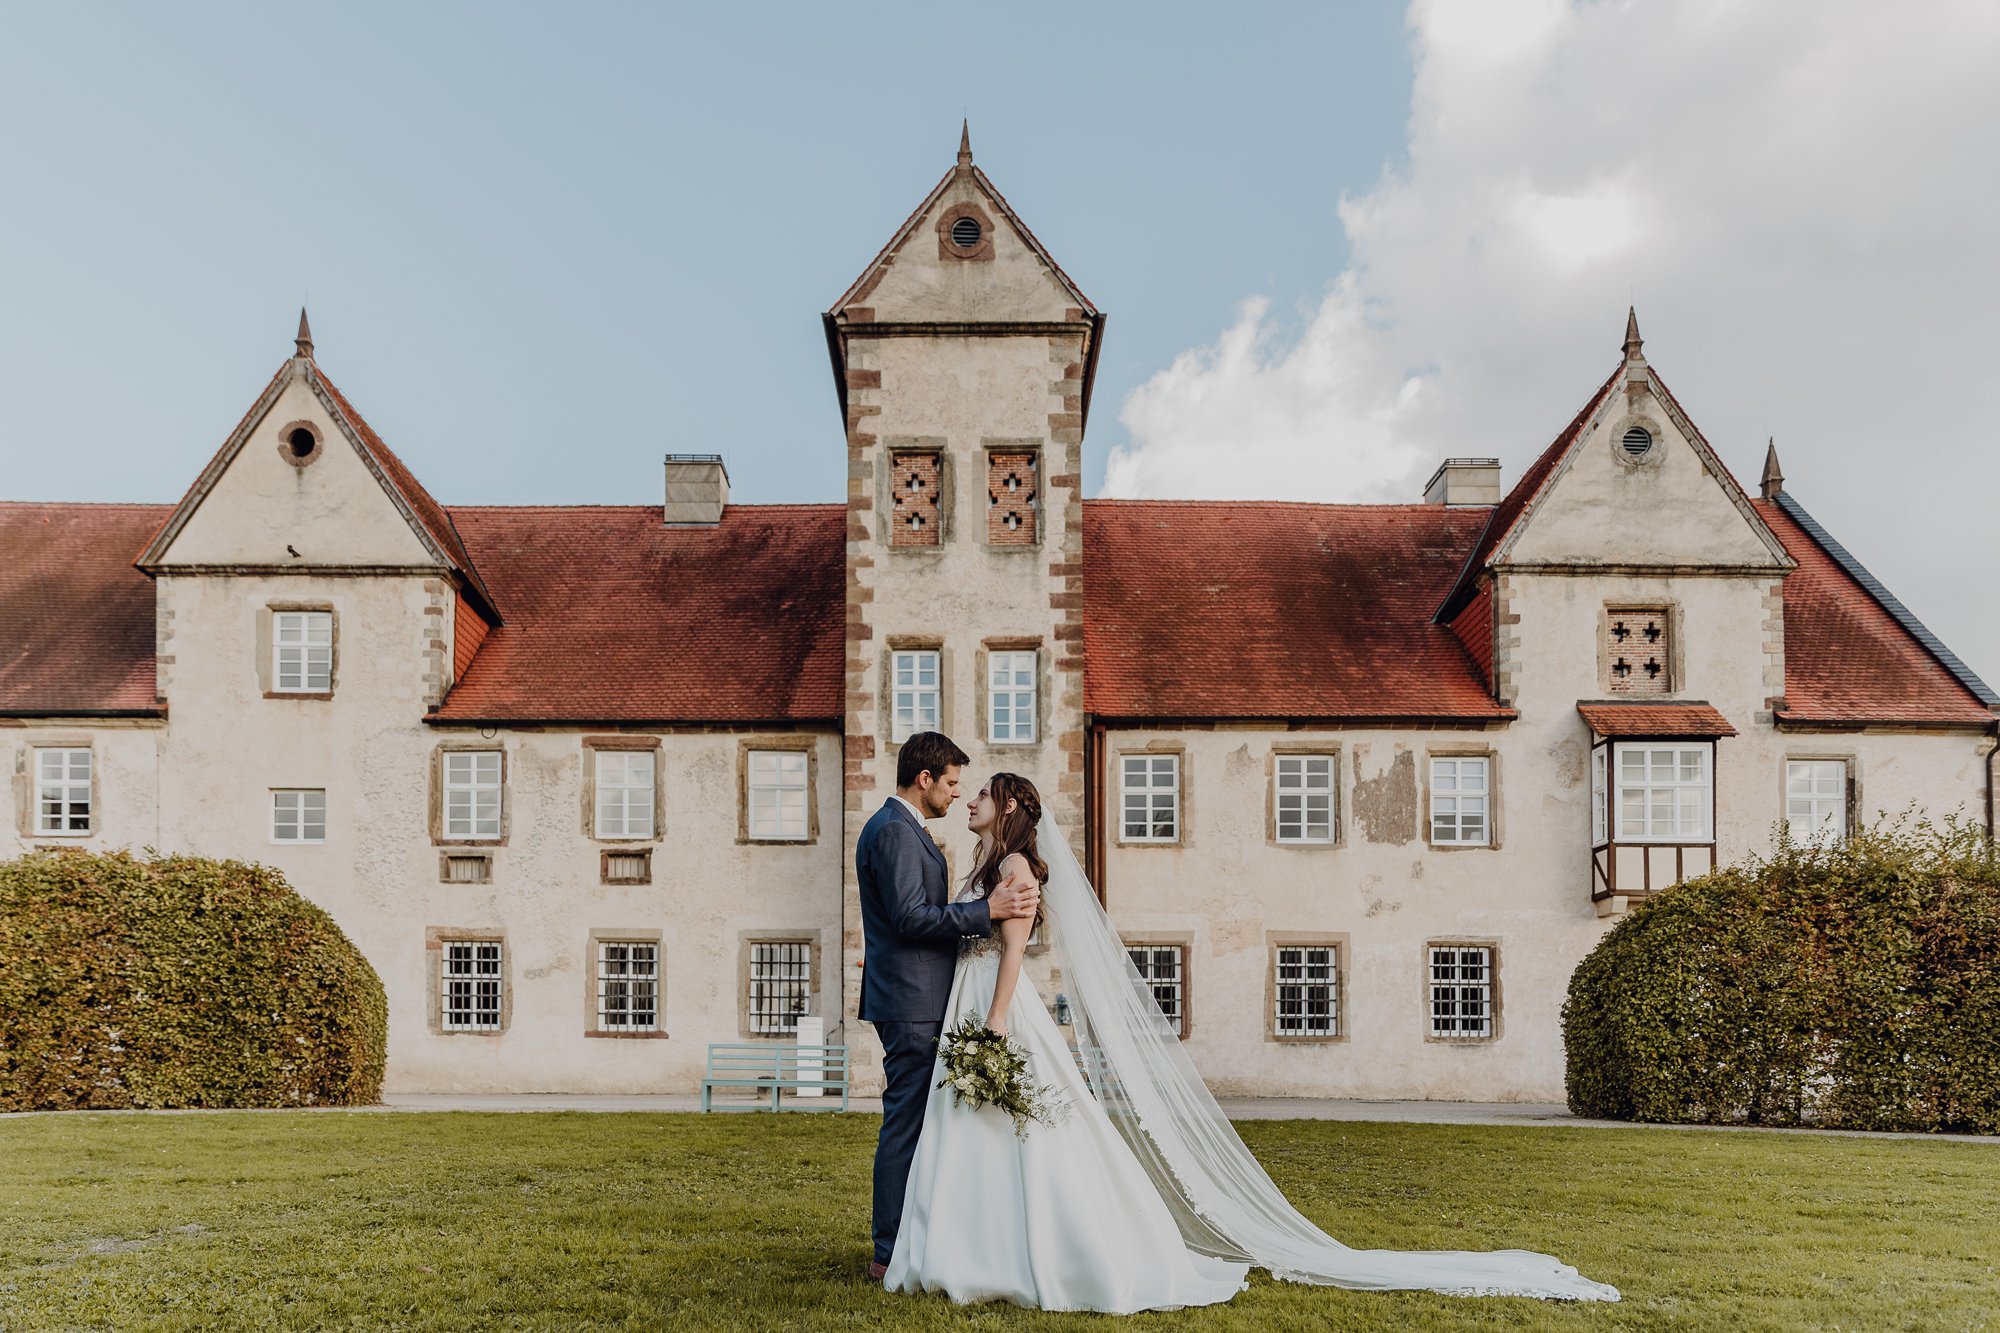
<point x="285" y="1220"/>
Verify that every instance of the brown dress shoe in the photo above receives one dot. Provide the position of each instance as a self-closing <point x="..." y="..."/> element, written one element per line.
<point x="876" y="1272"/>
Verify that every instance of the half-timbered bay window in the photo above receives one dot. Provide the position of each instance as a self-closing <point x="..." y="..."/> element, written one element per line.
<point x="1665" y="792"/>
<point x="62" y="793"/>
<point x="779" y="986"/>
<point x="1010" y="698"/>
<point x="1150" y="798"/>
<point x="777" y="794"/>
<point x="1461" y="796"/>
<point x="1816" y="799"/>
<point x="915" y="693"/>
<point x="471" y="982"/>
<point x="628" y="986"/>
<point x="1163" y="967"/>
<point x="1305" y="990"/>
<point x="624" y="782"/>
<point x="472" y="793"/>
<point x="1304" y="798"/>
<point x="298" y="816"/>
<point x="301" y="652"/>
<point x="1461" y="991"/>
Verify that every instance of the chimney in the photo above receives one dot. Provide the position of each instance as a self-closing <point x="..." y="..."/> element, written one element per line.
<point x="1464" y="482"/>
<point x="697" y="490"/>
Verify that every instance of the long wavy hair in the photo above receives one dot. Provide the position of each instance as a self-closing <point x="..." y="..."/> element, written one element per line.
<point x="1013" y="832"/>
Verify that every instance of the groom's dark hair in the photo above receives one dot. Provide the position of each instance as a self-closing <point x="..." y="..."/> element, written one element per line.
<point x="927" y="752"/>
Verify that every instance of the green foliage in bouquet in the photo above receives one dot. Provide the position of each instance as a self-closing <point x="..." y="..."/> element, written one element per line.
<point x="178" y="981"/>
<point x="1852" y="986"/>
<point x="983" y="1068"/>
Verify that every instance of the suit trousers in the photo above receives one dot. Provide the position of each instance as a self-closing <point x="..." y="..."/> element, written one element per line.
<point x="909" y="1053"/>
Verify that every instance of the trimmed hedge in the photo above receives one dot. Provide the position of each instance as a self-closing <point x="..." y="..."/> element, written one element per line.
<point x="178" y="981"/>
<point x="1854" y="987"/>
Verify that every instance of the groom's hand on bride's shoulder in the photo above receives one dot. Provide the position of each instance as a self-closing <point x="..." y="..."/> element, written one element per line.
<point x="1016" y="897"/>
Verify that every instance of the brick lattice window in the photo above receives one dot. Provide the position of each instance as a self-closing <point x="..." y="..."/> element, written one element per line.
<point x="1634" y="655"/>
<point x="62" y="792"/>
<point x="1163" y="967"/>
<point x="1461" y="991"/>
<point x="1306" y="990"/>
<point x="1010" y="499"/>
<point x="914" y="499"/>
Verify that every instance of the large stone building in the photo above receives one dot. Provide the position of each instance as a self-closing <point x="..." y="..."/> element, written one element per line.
<point x="1359" y="783"/>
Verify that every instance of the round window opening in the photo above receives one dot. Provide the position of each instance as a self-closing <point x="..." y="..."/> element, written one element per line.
<point x="965" y="233"/>
<point x="301" y="442"/>
<point x="1638" y="442"/>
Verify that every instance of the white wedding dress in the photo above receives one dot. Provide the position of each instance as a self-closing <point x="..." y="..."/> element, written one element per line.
<point x="1063" y="1219"/>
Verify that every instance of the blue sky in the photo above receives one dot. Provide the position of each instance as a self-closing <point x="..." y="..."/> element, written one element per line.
<point x="543" y="246"/>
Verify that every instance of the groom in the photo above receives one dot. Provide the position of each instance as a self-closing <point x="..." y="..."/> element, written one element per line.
<point x="910" y="935"/>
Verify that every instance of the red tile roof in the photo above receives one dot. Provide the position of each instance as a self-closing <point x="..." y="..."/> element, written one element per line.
<point x="1655" y="719"/>
<point x="614" y="617"/>
<point x="76" y="619"/>
<point x="1207" y="610"/>
<point x="1847" y="659"/>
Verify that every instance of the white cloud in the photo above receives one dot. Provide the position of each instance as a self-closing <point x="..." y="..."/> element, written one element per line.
<point x="1798" y="194"/>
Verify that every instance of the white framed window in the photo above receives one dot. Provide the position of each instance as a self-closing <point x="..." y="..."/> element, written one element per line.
<point x="1163" y="967"/>
<point x="780" y="985"/>
<point x="1665" y="791"/>
<point x="301" y="652"/>
<point x="472" y="794"/>
<point x="471" y="978"/>
<point x="298" y="815"/>
<point x="628" y="986"/>
<point x="1150" y="797"/>
<point x="1460" y="805"/>
<point x="1010" y="697"/>
<point x="1816" y="799"/>
<point x="778" y="795"/>
<point x="915" y="693"/>
<point x="1461" y="990"/>
<point x="624" y="794"/>
<point x="62" y="793"/>
<point x="1306" y="987"/>
<point x="1305" y="804"/>
<point x="1600" y="779"/>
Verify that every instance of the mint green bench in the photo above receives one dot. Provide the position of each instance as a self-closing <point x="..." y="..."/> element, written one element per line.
<point x="776" y="1066"/>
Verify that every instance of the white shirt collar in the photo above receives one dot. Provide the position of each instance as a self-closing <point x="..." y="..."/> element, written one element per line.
<point x="911" y="808"/>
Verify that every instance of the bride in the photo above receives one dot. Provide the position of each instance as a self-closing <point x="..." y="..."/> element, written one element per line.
<point x="1141" y="1196"/>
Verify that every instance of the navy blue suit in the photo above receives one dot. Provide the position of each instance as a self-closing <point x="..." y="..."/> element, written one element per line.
<point x="910" y="933"/>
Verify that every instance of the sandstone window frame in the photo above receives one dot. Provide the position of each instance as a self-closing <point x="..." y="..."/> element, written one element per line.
<point x="593" y="747"/>
<point x="896" y="644"/>
<point x="1491" y="986"/>
<point x="1181" y="806"/>
<point x="1036" y="449"/>
<point x="1275" y="942"/>
<point x="1850" y="793"/>
<point x="748" y="943"/>
<point x="747" y="748"/>
<point x="1672" y="675"/>
<point x="300" y="816"/>
<point x="438" y="823"/>
<point x="1330" y="751"/>
<point x="893" y="449"/>
<point x="268" y="646"/>
<point x="437" y="940"/>
<point x="989" y="649"/>
<point x="1488" y="753"/>
<point x="1183" y="945"/>
<point x="594" y="980"/>
<point x="31" y="809"/>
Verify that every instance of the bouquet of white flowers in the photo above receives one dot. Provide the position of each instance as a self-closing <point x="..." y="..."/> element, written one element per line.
<point x="983" y="1068"/>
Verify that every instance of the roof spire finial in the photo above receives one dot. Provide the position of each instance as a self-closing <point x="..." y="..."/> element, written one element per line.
<point x="965" y="142"/>
<point x="305" y="336"/>
<point x="1774" y="478"/>
<point x="1633" y="342"/>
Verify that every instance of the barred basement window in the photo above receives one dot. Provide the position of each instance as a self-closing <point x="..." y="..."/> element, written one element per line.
<point x="1164" y="969"/>
<point x="624" y="782"/>
<point x="1461" y="991"/>
<point x="62" y="793"/>
<point x="1305" y="798"/>
<point x="780" y="985"/>
<point x="1459" y="803"/>
<point x="1010" y="698"/>
<point x="472" y="794"/>
<point x="302" y="652"/>
<point x="1816" y="799"/>
<point x="471" y="977"/>
<point x="1306" y="986"/>
<point x="626" y="867"/>
<point x="628" y="986"/>
<point x="470" y="868"/>
<point x="778" y="795"/>
<point x="916" y="694"/>
<point x="298" y="816"/>
<point x="1151" y="798"/>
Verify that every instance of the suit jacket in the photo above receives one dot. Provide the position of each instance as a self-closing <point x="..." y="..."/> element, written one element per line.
<point x="910" y="931"/>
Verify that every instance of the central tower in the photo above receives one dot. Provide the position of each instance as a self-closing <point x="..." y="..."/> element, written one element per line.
<point x="963" y="359"/>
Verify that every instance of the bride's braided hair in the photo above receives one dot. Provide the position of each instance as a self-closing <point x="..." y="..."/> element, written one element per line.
<point x="1013" y="832"/>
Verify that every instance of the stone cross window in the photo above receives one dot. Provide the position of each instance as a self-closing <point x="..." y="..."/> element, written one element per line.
<point x="1010" y="499"/>
<point x="1634" y="656"/>
<point x="914" y="485"/>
